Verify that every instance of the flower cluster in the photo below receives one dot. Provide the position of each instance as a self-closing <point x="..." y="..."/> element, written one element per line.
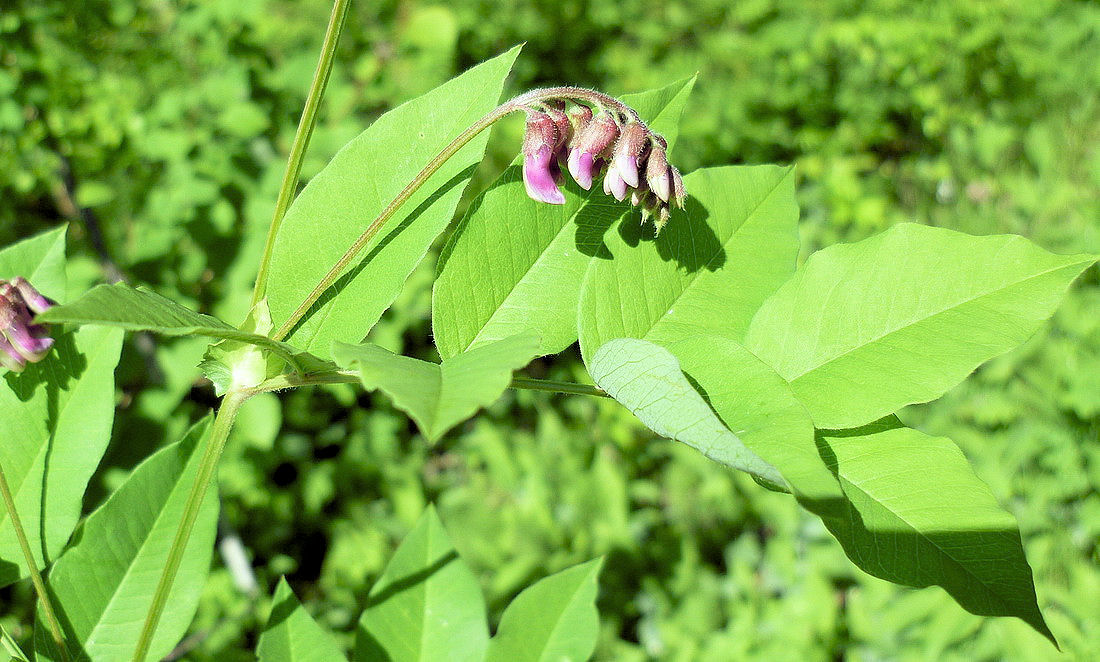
<point x="21" y="340"/>
<point x="616" y="144"/>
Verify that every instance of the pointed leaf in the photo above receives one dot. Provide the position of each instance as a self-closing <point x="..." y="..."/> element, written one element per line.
<point x="757" y="404"/>
<point x="707" y="272"/>
<point x="103" y="584"/>
<point x="440" y="396"/>
<point x="917" y="515"/>
<point x="426" y="606"/>
<point x="39" y="259"/>
<point x="57" y="416"/>
<point x="139" y="309"/>
<point x="553" y="620"/>
<point x="516" y="265"/>
<point x="292" y="635"/>
<point x="360" y="181"/>
<point x="864" y="329"/>
<point x="647" y="380"/>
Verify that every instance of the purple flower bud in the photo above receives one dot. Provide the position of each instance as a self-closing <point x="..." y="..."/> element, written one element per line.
<point x="539" y="144"/>
<point x="21" y="340"/>
<point x="657" y="173"/>
<point x="32" y="297"/>
<point x="596" y="136"/>
<point x="632" y="143"/>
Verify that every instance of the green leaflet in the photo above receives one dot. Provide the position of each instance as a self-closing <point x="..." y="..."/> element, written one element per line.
<point x="516" y="265"/>
<point x="864" y="329"/>
<point x="554" y="619"/>
<point x="14" y="653"/>
<point x="57" y="416"/>
<point x="917" y="515"/>
<point x="342" y="200"/>
<point x="710" y="269"/>
<point x="292" y="635"/>
<point x="758" y="406"/>
<point x="647" y="380"/>
<point x="440" y="396"/>
<point x="125" y="307"/>
<point x="427" y="604"/>
<point x="103" y="584"/>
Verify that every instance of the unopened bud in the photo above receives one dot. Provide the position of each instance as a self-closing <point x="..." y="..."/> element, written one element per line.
<point x="21" y="340"/>
<point x="657" y="173"/>
<point x="555" y="111"/>
<point x="678" y="193"/>
<point x="590" y="142"/>
<point x="628" y="150"/>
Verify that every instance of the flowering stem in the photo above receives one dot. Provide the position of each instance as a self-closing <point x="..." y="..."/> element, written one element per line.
<point x="301" y="141"/>
<point x="518" y="103"/>
<point x="36" y="576"/>
<point x="208" y="464"/>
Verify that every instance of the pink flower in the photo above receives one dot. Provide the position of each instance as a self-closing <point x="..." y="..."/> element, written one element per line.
<point x="539" y="163"/>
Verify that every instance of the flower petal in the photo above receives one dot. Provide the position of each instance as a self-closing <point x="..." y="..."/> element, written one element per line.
<point x="538" y="180"/>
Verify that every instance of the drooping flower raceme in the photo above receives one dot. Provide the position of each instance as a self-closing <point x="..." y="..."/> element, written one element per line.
<point x="591" y="134"/>
<point x="21" y="340"/>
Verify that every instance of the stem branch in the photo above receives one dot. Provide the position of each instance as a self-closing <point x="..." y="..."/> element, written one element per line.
<point x="208" y="464"/>
<point x="32" y="565"/>
<point x="301" y="141"/>
<point x="552" y="386"/>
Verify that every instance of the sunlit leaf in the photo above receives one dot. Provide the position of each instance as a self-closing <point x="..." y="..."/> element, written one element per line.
<point x="553" y="620"/>
<point x="426" y="606"/>
<point x="864" y="329"/>
<point x="103" y="584"/>
<point x="292" y="635"/>
<point x="440" y="396"/>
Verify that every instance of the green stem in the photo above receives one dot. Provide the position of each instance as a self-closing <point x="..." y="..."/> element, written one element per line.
<point x="36" y="576"/>
<point x="522" y="102"/>
<point x="208" y="465"/>
<point x="552" y="386"/>
<point x="301" y="141"/>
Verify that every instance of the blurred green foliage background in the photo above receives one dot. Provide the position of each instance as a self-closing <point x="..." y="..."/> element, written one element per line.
<point x="159" y="130"/>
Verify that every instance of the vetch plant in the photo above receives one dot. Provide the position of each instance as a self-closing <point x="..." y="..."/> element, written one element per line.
<point x="706" y="329"/>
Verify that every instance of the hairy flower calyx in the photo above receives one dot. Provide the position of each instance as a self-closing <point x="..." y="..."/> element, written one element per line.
<point x="592" y="134"/>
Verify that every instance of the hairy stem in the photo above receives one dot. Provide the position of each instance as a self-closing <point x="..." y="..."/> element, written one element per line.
<point x="301" y="141"/>
<point x="208" y="464"/>
<point x="522" y="102"/>
<point x="32" y="565"/>
<point x="552" y="386"/>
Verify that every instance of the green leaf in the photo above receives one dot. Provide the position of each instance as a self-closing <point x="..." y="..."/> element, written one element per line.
<point x="917" y="515"/>
<point x="516" y="265"/>
<point x="647" y="380"/>
<point x="440" y="396"/>
<point x="140" y="309"/>
<point x="864" y="329"/>
<point x="756" y="403"/>
<point x="57" y="417"/>
<point x="292" y="635"/>
<point x="103" y="584"/>
<point x="426" y="606"/>
<point x="708" y="271"/>
<point x="15" y="654"/>
<point x="553" y="620"/>
<point x="39" y="259"/>
<point x="360" y="181"/>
